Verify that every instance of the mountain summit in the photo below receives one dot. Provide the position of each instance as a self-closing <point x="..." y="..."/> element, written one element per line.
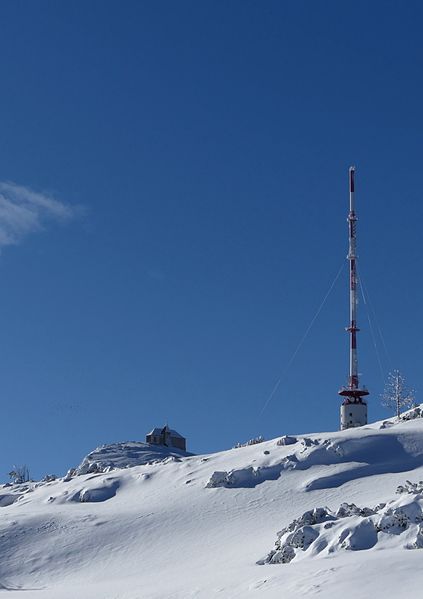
<point x="333" y="513"/>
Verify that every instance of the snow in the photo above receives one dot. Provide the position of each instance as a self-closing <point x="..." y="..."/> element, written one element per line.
<point x="126" y="455"/>
<point x="350" y="528"/>
<point x="137" y="522"/>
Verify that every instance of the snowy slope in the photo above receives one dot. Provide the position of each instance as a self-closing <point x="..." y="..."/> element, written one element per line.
<point x="198" y="526"/>
<point x="126" y="455"/>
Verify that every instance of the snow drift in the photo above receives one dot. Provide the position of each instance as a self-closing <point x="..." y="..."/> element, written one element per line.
<point x="350" y="528"/>
<point x="126" y="455"/>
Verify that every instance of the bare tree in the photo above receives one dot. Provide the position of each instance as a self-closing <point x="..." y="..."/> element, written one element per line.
<point x="397" y="395"/>
<point x="19" y="474"/>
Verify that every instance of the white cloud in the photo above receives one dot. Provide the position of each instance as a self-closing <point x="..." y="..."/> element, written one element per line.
<point x="24" y="211"/>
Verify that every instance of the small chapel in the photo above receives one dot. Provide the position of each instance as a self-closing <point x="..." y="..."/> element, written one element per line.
<point x="167" y="437"/>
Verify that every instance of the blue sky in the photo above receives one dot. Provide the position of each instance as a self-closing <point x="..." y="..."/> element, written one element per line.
<point x="190" y="161"/>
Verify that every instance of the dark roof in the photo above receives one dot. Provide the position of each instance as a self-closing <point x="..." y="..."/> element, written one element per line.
<point x="156" y="432"/>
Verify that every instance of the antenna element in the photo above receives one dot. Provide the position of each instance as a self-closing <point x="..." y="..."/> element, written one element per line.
<point x="354" y="407"/>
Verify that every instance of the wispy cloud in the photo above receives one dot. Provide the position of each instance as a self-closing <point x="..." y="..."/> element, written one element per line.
<point x="24" y="211"/>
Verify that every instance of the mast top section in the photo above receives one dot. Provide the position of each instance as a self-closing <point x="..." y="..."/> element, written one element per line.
<point x="351" y="175"/>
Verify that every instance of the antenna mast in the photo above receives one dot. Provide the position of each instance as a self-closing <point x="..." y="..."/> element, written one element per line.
<point x="354" y="407"/>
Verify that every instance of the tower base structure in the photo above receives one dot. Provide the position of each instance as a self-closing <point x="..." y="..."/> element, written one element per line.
<point x="353" y="414"/>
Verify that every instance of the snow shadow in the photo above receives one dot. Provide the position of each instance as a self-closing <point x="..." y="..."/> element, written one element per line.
<point x="378" y="455"/>
<point x="367" y="456"/>
<point x="9" y="588"/>
<point x="350" y="528"/>
<point x="244" y="478"/>
<point x="8" y="499"/>
<point x="98" y="494"/>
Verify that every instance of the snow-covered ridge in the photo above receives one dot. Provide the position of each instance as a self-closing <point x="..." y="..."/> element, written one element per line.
<point x="126" y="455"/>
<point x="411" y="414"/>
<point x="195" y="526"/>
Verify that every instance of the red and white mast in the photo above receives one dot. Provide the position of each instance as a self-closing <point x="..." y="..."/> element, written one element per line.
<point x="354" y="407"/>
